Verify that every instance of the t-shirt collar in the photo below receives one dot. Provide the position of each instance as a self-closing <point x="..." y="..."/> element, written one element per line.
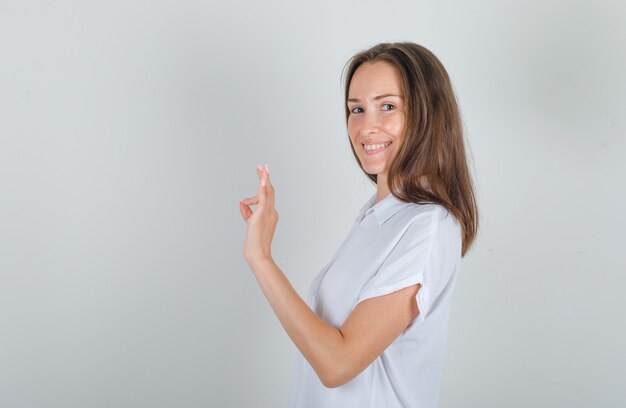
<point x="383" y="209"/>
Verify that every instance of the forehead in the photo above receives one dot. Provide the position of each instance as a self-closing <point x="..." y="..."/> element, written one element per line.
<point x="375" y="78"/>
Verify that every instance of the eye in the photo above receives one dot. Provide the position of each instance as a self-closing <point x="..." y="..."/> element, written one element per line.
<point x="388" y="104"/>
<point x="353" y="109"/>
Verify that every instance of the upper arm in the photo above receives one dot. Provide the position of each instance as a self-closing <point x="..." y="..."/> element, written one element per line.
<point x="371" y="327"/>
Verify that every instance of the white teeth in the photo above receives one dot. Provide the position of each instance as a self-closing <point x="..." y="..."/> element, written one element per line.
<point x="376" y="146"/>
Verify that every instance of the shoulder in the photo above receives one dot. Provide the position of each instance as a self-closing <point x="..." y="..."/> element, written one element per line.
<point x="433" y="221"/>
<point x="433" y="215"/>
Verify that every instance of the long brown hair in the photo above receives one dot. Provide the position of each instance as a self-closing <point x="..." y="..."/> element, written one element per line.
<point x="431" y="165"/>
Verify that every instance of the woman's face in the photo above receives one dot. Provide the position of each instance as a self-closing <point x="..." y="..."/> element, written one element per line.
<point x="377" y="115"/>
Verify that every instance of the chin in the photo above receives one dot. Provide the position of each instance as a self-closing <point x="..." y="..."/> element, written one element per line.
<point x="373" y="169"/>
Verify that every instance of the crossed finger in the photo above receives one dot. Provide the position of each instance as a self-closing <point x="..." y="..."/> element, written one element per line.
<point x="267" y="192"/>
<point x="264" y="175"/>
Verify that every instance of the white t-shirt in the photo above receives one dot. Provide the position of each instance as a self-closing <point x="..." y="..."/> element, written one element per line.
<point x="391" y="245"/>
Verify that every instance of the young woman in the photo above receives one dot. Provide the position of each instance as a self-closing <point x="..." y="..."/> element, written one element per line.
<point x="372" y="332"/>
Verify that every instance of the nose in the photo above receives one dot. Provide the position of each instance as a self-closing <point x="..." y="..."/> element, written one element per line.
<point x="370" y="124"/>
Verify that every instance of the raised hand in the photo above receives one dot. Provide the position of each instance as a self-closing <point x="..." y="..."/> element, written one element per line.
<point x="261" y="223"/>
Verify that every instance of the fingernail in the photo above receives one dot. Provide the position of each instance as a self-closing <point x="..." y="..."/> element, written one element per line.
<point x="258" y="166"/>
<point x="262" y="183"/>
<point x="267" y="169"/>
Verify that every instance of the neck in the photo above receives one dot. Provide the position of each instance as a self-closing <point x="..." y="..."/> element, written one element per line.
<point x="382" y="189"/>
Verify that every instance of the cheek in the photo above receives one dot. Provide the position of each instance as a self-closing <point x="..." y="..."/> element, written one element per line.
<point x="395" y="126"/>
<point x="352" y="131"/>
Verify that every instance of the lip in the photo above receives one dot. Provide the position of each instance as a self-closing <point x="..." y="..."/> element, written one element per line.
<point x="371" y="152"/>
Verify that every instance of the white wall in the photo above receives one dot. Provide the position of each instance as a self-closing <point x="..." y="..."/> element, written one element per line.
<point x="129" y="130"/>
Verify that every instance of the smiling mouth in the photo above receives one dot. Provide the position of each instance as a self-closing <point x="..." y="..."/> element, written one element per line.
<point x="373" y="149"/>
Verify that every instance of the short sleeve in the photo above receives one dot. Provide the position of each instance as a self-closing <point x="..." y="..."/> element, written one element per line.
<point x="406" y="263"/>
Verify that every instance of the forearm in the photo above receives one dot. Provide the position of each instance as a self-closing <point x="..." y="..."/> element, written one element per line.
<point x="320" y="343"/>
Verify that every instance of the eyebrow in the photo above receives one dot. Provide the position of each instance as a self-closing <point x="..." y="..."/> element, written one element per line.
<point x="375" y="98"/>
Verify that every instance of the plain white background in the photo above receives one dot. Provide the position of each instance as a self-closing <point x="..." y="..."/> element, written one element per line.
<point x="129" y="130"/>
